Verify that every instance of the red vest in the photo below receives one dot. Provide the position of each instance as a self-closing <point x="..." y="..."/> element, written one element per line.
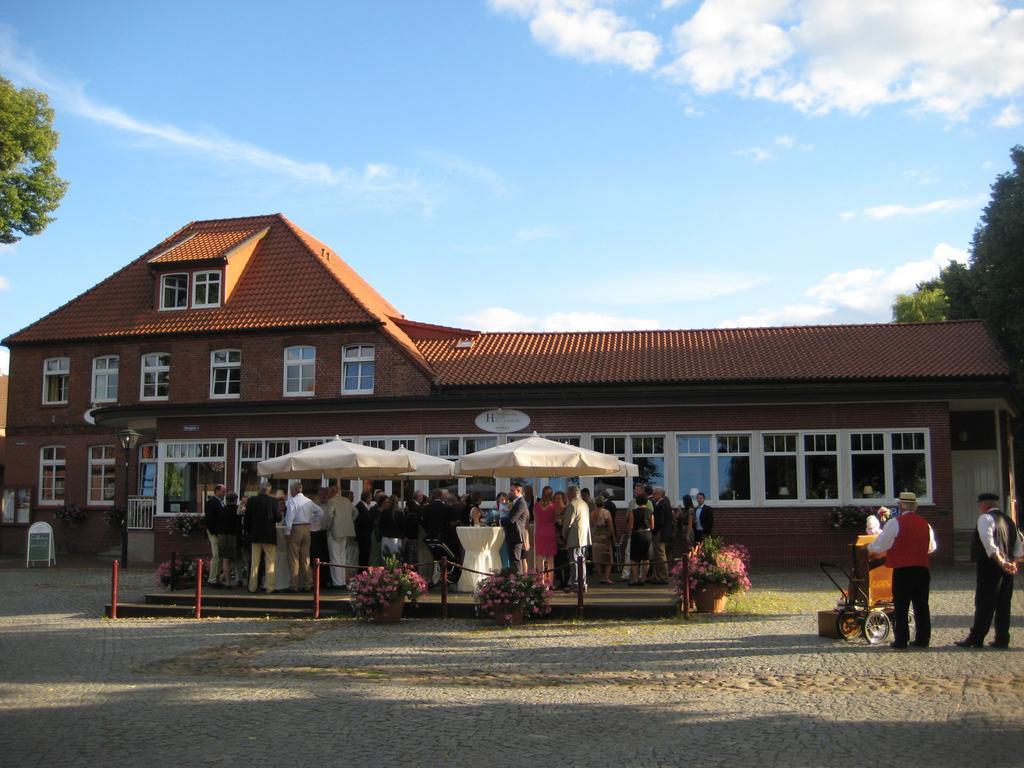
<point x="911" y="546"/>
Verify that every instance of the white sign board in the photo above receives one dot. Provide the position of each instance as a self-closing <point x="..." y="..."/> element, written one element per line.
<point x="39" y="548"/>
<point x="502" y="420"/>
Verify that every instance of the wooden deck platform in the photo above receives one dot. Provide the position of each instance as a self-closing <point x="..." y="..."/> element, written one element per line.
<point x="601" y="601"/>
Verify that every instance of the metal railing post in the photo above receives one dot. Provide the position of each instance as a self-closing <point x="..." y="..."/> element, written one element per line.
<point x="199" y="588"/>
<point x="113" y="590"/>
<point x="316" y="587"/>
<point x="581" y="573"/>
<point x="174" y="571"/>
<point x="444" y="587"/>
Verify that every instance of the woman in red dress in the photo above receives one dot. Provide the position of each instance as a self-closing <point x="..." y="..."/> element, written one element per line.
<point x="544" y="533"/>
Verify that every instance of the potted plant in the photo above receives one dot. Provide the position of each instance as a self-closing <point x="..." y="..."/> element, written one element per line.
<point x="716" y="570"/>
<point x="509" y="598"/>
<point x="380" y="592"/>
<point x="186" y="525"/>
<point x="849" y="517"/>
<point x="182" y="575"/>
<point x="69" y="514"/>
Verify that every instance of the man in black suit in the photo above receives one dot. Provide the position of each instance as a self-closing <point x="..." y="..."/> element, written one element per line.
<point x="518" y="519"/>
<point x="364" y="522"/>
<point x="703" y="520"/>
<point x="439" y="521"/>
<point x="664" y="535"/>
<point x="261" y="517"/>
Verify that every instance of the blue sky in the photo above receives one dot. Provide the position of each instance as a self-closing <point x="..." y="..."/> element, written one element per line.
<point x="534" y="164"/>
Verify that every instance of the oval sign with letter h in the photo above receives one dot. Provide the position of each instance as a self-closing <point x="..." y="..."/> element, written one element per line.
<point x="502" y="420"/>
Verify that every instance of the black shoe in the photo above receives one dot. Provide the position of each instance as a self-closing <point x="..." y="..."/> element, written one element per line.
<point x="897" y="647"/>
<point x="1001" y="646"/>
<point x="968" y="643"/>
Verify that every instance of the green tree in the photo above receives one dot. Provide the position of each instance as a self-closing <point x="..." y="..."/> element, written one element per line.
<point x="30" y="189"/>
<point x="928" y="304"/>
<point x="997" y="261"/>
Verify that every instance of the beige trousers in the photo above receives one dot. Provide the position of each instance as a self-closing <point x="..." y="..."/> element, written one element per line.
<point x="268" y="552"/>
<point x="298" y="558"/>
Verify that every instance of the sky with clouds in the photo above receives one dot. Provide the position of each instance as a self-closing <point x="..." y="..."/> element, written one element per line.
<point x="534" y="164"/>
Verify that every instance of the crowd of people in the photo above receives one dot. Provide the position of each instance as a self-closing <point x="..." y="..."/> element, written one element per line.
<point x="553" y="531"/>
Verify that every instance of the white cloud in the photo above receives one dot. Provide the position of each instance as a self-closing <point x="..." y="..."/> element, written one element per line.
<point x="1010" y="117"/>
<point x="941" y="56"/>
<point x="785" y="141"/>
<point x="5" y="360"/>
<point x="847" y="215"/>
<point x="879" y="212"/>
<point x="372" y="179"/>
<point x="496" y="319"/>
<point x="457" y="165"/>
<point x="4" y="283"/>
<point x="669" y="4"/>
<point x="581" y="29"/>
<point x="791" y="314"/>
<point x="873" y="290"/>
<point x="757" y="154"/>
<point x="535" y="233"/>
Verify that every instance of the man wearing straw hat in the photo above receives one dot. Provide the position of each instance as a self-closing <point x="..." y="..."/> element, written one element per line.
<point x="908" y="540"/>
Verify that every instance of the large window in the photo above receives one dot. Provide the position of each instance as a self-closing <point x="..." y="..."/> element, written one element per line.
<point x="733" y="467"/>
<point x="867" y="465"/>
<point x="648" y="453"/>
<point x="156" y="376"/>
<point x="250" y="454"/>
<point x="447" y="448"/>
<point x="104" y="379"/>
<point x="102" y="482"/>
<point x="694" y="465"/>
<point x="299" y="371"/>
<point x="206" y="291"/>
<point x="909" y="463"/>
<point x="357" y="370"/>
<point x="225" y="373"/>
<point x="780" y="481"/>
<point x="615" y="487"/>
<point x="51" y="475"/>
<point x="55" y="380"/>
<point x="485" y="486"/>
<point x="190" y="470"/>
<point x="174" y="292"/>
<point x="821" y="466"/>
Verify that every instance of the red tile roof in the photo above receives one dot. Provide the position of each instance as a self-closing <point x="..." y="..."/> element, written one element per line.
<point x="827" y="352"/>
<point x="205" y="245"/>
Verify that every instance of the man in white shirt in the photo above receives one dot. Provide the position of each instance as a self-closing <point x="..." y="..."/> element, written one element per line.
<point x="341" y="537"/>
<point x="298" y="516"/>
<point x="996" y="548"/>
<point x="577" y="535"/>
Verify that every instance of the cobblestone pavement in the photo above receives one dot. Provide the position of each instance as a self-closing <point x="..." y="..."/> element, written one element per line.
<point x="77" y="689"/>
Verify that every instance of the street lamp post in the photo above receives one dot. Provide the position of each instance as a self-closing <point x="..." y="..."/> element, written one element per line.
<point x="128" y="439"/>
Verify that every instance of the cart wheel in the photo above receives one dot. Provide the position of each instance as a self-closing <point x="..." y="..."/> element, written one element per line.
<point x="849" y="625"/>
<point x="876" y="627"/>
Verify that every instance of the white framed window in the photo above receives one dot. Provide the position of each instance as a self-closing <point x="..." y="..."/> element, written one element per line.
<point x="910" y="463"/>
<point x="648" y="453"/>
<point x="225" y="373"/>
<point x="487" y="487"/>
<point x="299" y="371"/>
<point x="156" y="376"/>
<point x="868" y="466"/>
<point x="174" y="291"/>
<point x="56" y="372"/>
<point x="148" y="455"/>
<point x="206" y="289"/>
<point x="51" y="475"/>
<point x="821" y="466"/>
<point x="614" y="486"/>
<point x="104" y="378"/>
<point x="357" y="370"/>
<point x="780" y="463"/>
<point x="733" y="467"/>
<point x="249" y="454"/>
<point x="694" y="457"/>
<point x="102" y="480"/>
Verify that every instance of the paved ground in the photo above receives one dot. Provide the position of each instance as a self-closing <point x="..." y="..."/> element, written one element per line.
<point x="76" y="689"/>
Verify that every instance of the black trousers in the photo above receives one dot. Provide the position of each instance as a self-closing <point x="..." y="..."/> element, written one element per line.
<point x="992" y="596"/>
<point x="910" y="586"/>
<point x="318" y="549"/>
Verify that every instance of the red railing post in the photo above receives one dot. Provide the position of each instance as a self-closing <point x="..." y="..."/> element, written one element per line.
<point x="199" y="588"/>
<point x="581" y="574"/>
<point x="444" y="587"/>
<point x="113" y="591"/>
<point x="316" y="587"/>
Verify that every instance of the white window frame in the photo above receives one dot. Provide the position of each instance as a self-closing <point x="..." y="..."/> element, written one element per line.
<point x="358" y="355"/>
<point x="753" y="454"/>
<point x="163" y="292"/>
<point x="301" y="362"/>
<point x="884" y="452"/>
<point x="803" y="453"/>
<point x="206" y="280"/>
<point x="107" y="466"/>
<point x="53" y="463"/>
<point x="107" y="373"/>
<point x="154" y="370"/>
<point x="185" y="452"/>
<point x="926" y="499"/>
<point x="797" y="492"/>
<point x="232" y="362"/>
<point x="59" y="368"/>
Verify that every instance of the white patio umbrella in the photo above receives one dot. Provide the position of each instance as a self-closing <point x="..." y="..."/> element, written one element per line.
<point x="339" y="459"/>
<point x="537" y="456"/>
<point x="427" y="467"/>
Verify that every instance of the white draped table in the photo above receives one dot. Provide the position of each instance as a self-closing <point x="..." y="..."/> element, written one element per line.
<point x="483" y="553"/>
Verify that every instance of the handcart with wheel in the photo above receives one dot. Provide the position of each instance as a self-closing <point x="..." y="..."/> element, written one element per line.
<point x="865" y="607"/>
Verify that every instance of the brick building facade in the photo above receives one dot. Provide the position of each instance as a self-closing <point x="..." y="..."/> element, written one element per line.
<point x="200" y="346"/>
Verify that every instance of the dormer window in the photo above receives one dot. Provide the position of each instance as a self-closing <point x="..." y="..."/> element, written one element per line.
<point x="357" y="370"/>
<point x="174" y="291"/>
<point x="206" y="292"/>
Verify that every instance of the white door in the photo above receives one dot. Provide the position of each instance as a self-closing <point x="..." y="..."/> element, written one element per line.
<point x="974" y="472"/>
